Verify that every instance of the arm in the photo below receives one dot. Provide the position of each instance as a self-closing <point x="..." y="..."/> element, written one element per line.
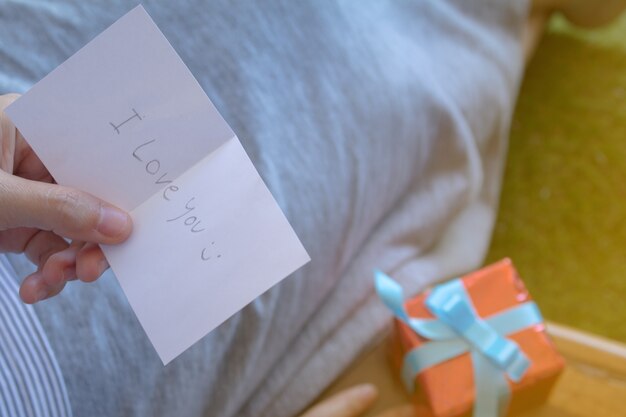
<point x="353" y="402"/>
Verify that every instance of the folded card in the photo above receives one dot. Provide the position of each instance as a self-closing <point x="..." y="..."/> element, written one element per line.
<point x="125" y="120"/>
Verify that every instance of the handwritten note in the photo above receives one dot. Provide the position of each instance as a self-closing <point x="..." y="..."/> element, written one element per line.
<point x="125" y="120"/>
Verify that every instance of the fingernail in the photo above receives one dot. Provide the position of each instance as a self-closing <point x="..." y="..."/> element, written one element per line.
<point x="366" y="391"/>
<point x="113" y="222"/>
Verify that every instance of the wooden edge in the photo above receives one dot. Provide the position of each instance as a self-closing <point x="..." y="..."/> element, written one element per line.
<point x="579" y="347"/>
<point x="588" y="354"/>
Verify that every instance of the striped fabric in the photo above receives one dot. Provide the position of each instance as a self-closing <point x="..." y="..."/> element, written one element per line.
<point x="31" y="383"/>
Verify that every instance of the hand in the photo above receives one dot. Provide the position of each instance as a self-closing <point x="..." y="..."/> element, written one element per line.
<point x="36" y="215"/>
<point x="353" y="402"/>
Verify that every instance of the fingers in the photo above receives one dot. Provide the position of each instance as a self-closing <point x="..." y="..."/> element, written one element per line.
<point x="349" y="403"/>
<point x="61" y="266"/>
<point x="90" y="263"/>
<point x="8" y="135"/>
<point x="16" y="156"/>
<point x="57" y="261"/>
<point x="65" y="211"/>
<point x="34" y="288"/>
<point x="15" y="240"/>
<point x="35" y="215"/>
<point x="54" y="267"/>
<point x="83" y="260"/>
<point x="7" y="99"/>
<point x="27" y="164"/>
<point x="404" y="411"/>
<point x="42" y="245"/>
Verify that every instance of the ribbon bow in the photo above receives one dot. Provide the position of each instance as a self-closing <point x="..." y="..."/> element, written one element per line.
<point x="458" y="329"/>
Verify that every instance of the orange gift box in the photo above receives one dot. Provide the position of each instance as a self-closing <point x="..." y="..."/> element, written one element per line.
<point x="447" y="389"/>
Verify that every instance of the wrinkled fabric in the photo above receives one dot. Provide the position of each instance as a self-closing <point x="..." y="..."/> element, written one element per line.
<point x="379" y="126"/>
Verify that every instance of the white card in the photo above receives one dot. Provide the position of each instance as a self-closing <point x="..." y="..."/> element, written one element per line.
<point x="125" y="120"/>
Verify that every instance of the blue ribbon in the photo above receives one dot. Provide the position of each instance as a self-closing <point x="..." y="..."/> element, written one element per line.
<point x="458" y="329"/>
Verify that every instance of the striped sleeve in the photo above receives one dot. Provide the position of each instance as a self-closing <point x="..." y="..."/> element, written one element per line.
<point x="31" y="383"/>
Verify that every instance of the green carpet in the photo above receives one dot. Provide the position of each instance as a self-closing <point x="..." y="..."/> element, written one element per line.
<point x="562" y="214"/>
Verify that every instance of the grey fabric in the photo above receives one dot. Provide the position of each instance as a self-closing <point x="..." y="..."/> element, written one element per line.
<point x="379" y="126"/>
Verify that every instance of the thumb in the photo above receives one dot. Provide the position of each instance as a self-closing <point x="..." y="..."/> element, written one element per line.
<point x="65" y="211"/>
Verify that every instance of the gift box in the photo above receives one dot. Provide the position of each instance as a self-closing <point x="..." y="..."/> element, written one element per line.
<point x="476" y="345"/>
